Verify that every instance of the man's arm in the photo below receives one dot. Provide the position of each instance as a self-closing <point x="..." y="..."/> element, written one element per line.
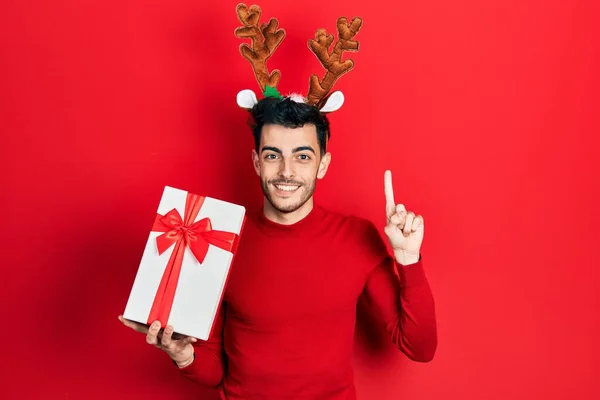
<point x="406" y="305"/>
<point x="207" y="366"/>
<point x="406" y="302"/>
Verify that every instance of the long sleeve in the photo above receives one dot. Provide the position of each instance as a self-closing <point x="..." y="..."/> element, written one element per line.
<point x="407" y="308"/>
<point x="208" y="367"/>
<point x="402" y="298"/>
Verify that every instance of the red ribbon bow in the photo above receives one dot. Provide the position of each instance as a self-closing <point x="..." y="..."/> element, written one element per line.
<point x="183" y="232"/>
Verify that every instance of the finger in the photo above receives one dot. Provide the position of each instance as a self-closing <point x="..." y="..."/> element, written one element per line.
<point x="167" y="340"/>
<point x="401" y="212"/>
<point x="152" y="336"/>
<point x="187" y="340"/>
<point x="417" y="223"/>
<point x="390" y="204"/>
<point x="410" y="216"/>
<point x="396" y="220"/>
<point x="133" y="325"/>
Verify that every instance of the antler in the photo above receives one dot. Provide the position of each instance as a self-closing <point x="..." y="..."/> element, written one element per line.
<point x="331" y="61"/>
<point x="265" y="39"/>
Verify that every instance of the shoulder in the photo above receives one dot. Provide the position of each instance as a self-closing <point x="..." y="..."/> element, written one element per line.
<point x="359" y="238"/>
<point x="338" y="219"/>
<point x="357" y="230"/>
<point x="348" y="219"/>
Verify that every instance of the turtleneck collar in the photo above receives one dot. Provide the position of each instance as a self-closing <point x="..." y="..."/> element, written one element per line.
<point x="305" y="225"/>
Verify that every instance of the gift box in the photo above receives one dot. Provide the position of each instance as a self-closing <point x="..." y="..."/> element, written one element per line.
<point x="185" y="265"/>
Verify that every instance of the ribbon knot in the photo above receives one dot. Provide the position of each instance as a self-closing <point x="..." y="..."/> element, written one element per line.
<point x="187" y="233"/>
<point x="181" y="233"/>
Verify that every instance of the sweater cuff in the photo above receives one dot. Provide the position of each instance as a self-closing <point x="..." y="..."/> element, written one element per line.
<point x="189" y="371"/>
<point x="414" y="274"/>
<point x="182" y="368"/>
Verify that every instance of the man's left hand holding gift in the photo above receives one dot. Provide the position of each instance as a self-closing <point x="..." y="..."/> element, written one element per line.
<point x="180" y="350"/>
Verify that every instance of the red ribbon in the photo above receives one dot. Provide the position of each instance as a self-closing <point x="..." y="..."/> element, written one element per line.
<point x="183" y="233"/>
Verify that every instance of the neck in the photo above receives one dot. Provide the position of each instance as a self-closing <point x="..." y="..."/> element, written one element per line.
<point x="293" y="217"/>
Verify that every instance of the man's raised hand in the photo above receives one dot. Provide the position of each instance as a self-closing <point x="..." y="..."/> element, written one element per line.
<point x="404" y="230"/>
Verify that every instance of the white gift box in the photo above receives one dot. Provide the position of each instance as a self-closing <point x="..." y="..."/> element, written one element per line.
<point x="185" y="265"/>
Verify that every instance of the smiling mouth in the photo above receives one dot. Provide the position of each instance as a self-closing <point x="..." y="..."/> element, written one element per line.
<point x="286" y="188"/>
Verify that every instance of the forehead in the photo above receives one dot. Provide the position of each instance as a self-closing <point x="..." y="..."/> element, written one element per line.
<point x="282" y="137"/>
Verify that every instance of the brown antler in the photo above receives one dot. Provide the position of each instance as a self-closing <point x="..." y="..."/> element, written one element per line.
<point x="332" y="61"/>
<point x="265" y="39"/>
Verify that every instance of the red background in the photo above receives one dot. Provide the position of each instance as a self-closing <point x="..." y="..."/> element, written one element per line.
<point x="485" y="111"/>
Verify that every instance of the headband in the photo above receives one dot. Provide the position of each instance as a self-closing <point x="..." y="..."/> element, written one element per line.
<point x="267" y="37"/>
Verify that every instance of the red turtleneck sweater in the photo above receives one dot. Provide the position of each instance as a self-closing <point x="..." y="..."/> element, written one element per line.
<point x="286" y="326"/>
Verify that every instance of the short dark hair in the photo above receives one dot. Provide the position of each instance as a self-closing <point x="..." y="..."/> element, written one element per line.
<point x="288" y="113"/>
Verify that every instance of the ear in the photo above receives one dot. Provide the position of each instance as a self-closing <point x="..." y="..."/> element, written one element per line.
<point x="246" y="99"/>
<point x="334" y="102"/>
<point x="256" y="162"/>
<point x="324" y="165"/>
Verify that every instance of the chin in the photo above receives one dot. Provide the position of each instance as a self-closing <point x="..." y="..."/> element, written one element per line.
<point x="286" y="209"/>
<point x="285" y="206"/>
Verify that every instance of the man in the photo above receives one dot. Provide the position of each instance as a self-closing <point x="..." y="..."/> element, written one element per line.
<point x="286" y="326"/>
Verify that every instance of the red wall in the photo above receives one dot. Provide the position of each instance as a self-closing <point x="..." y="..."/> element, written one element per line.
<point x="486" y="112"/>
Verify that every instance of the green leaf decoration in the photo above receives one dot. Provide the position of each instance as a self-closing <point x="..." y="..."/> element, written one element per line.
<point x="272" y="92"/>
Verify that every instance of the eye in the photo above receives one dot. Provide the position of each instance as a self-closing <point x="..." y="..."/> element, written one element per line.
<point x="271" y="156"/>
<point x="304" y="157"/>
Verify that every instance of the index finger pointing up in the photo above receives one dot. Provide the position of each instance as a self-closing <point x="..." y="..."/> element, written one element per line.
<point x="390" y="204"/>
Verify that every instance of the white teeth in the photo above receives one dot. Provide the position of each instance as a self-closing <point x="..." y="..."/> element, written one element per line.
<point x="287" y="188"/>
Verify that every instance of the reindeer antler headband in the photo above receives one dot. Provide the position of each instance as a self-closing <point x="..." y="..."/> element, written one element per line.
<point x="266" y="38"/>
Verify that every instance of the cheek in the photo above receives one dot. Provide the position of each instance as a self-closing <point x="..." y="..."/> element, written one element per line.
<point x="309" y="170"/>
<point x="267" y="169"/>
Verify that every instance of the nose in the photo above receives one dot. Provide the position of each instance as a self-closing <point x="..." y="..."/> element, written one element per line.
<point x="286" y="168"/>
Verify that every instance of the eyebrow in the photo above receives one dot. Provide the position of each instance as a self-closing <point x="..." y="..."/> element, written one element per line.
<point x="302" y="148"/>
<point x="270" y="148"/>
<point x="297" y="149"/>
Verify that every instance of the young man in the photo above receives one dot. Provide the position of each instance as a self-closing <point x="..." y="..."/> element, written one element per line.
<point x="286" y="325"/>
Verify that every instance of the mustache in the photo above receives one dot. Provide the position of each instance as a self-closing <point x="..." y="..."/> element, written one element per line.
<point x="286" y="182"/>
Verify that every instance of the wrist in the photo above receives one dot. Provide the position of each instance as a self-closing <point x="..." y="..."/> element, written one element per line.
<point x="186" y="361"/>
<point x="406" y="258"/>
